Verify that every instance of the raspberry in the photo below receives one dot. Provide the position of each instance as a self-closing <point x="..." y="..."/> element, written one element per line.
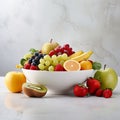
<point x="59" y="67"/>
<point x="33" y="67"/>
<point x="52" y="52"/>
<point x="27" y="66"/>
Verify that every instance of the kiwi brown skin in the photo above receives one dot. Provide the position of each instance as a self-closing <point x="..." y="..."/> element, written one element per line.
<point x="29" y="90"/>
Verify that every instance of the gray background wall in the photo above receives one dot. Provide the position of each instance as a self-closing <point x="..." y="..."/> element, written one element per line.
<point x="84" y="24"/>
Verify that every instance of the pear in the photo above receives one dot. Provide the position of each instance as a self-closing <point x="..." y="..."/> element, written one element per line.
<point x="47" y="47"/>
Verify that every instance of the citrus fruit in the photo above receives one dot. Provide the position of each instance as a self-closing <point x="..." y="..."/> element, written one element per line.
<point x="86" y="65"/>
<point x="14" y="81"/>
<point x="71" y="65"/>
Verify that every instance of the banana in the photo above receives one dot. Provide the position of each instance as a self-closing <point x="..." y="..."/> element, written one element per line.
<point x="76" y="54"/>
<point x="84" y="56"/>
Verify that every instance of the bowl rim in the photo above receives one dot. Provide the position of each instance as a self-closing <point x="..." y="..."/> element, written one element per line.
<point x="45" y="71"/>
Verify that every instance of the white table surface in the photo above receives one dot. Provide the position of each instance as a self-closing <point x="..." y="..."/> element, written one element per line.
<point x="16" y="106"/>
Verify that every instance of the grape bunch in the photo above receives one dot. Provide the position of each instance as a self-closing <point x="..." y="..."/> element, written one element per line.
<point x="33" y="61"/>
<point x="53" y="63"/>
<point x="59" y="50"/>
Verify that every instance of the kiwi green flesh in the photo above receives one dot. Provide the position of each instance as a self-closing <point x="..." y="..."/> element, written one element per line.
<point x="38" y="88"/>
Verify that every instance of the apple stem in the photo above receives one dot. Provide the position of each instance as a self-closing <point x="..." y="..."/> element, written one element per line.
<point x="105" y="66"/>
<point x="51" y="40"/>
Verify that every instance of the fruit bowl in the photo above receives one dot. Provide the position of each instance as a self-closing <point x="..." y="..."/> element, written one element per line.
<point x="57" y="82"/>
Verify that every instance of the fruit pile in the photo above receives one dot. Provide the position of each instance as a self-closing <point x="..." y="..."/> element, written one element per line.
<point x="91" y="87"/>
<point x="54" y="57"/>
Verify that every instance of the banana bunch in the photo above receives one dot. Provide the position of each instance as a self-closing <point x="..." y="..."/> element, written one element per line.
<point x="80" y="55"/>
<point x="76" y="54"/>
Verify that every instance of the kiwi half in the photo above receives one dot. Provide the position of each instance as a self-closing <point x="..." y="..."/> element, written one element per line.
<point x="34" y="90"/>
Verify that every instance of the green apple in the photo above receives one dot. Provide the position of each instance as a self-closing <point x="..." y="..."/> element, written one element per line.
<point x="108" y="78"/>
<point x="47" y="47"/>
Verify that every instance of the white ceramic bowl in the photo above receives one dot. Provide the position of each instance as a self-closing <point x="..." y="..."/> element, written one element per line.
<point x="57" y="82"/>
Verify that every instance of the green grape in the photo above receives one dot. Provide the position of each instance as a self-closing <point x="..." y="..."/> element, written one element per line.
<point x="27" y="56"/>
<point x="59" y="57"/>
<point x="64" y="56"/>
<point x="54" y="57"/>
<point x="62" y="62"/>
<point x="46" y="68"/>
<point x="42" y="61"/>
<point x="47" y="62"/>
<point x="55" y="62"/>
<point x="47" y="57"/>
<point x="41" y="66"/>
<point x="51" y="68"/>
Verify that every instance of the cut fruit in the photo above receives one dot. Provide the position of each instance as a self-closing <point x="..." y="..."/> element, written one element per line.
<point x="71" y="65"/>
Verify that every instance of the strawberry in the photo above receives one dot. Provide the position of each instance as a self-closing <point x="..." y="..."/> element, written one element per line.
<point x="92" y="84"/>
<point x="107" y="93"/>
<point x="33" y="67"/>
<point x="99" y="92"/>
<point x="59" y="67"/>
<point x="80" y="91"/>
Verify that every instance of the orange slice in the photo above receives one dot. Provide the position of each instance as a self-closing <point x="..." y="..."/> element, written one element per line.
<point x="71" y="65"/>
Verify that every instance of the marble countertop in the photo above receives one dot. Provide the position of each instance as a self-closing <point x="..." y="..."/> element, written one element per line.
<point x="16" y="106"/>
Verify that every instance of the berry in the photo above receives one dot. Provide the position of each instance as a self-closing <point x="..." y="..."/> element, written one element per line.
<point x="80" y="91"/>
<point x="33" y="67"/>
<point x="66" y="46"/>
<point x="107" y="93"/>
<point x="52" y="52"/>
<point x="59" y="67"/>
<point x="27" y="66"/>
<point x="36" y="54"/>
<point x="59" y="50"/>
<point x="93" y="85"/>
<point x="99" y="92"/>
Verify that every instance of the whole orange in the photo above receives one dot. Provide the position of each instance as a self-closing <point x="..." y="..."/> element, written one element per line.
<point x="86" y="65"/>
<point x="14" y="81"/>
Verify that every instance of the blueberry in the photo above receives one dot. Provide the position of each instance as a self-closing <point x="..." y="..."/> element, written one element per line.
<point x="30" y="60"/>
<point x="36" y="54"/>
<point x="40" y="55"/>
<point x="37" y="58"/>
<point x="33" y="63"/>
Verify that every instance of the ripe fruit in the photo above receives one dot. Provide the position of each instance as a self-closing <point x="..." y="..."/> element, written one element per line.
<point x="47" y="47"/>
<point x="107" y="93"/>
<point x="59" y="67"/>
<point x="59" y="50"/>
<point x="93" y="85"/>
<point x="33" y="67"/>
<point x="107" y="77"/>
<point x="99" y="92"/>
<point x="27" y="66"/>
<point x="71" y="65"/>
<point x="34" y="90"/>
<point x="96" y="65"/>
<point x="86" y="65"/>
<point x="83" y="56"/>
<point x="80" y="91"/>
<point x="76" y="54"/>
<point x="14" y="81"/>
